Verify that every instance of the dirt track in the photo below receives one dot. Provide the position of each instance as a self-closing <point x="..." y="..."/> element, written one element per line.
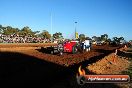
<point x="8" y="45"/>
<point x="66" y="60"/>
<point x="31" y="66"/>
<point x="112" y="64"/>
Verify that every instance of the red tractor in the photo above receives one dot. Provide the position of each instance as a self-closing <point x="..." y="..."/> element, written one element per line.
<point x="71" y="47"/>
<point x="68" y="46"/>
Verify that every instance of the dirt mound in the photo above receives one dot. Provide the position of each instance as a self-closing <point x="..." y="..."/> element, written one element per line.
<point x="113" y="64"/>
<point x="110" y="64"/>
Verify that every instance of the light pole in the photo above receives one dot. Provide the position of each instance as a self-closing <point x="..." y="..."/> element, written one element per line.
<point x="75" y="30"/>
<point x="51" y="27"/>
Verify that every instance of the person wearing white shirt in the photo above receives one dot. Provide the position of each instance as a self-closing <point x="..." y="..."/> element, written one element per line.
<point x="87" y="45"/>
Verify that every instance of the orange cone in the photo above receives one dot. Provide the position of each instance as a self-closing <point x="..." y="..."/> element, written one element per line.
<point x="115" y="52"/>
<point x="125" y="47"/>
<point x="114" y="57"/>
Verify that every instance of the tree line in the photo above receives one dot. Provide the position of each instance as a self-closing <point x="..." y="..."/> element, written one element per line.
<point x="104" y="38"/>
<point x="27" y="31"/>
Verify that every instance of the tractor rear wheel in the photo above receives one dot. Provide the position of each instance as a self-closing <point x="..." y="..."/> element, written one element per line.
<point x="74" y="49"/>
<point x="52" y="52"/>
<point x="60" y="49"/>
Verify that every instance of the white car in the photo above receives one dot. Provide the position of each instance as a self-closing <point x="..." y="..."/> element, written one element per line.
<point x="98" y="43"/>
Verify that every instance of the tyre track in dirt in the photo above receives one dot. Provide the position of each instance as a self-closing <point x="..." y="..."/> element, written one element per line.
<point x="73" y="70"/>
<point x="57" y="75"/>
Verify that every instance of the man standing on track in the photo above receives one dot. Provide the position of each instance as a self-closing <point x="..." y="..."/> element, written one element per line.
<point x="87" y="45"/>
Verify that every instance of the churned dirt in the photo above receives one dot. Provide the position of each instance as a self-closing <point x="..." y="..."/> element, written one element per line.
<point x="10" y="45"/>
<point x="109" y="65"/>
<point x="29" y="65"/>
<point x="66" y="59"/>
<point x="114" y="64"/>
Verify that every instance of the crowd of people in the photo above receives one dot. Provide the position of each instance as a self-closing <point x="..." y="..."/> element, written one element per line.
<point x="15" y="38"/>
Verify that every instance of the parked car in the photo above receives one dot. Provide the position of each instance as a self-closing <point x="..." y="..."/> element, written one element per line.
<point x="98" y="43"/>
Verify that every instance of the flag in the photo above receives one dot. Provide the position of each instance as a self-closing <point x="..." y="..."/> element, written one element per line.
<point x="76" y="35"/>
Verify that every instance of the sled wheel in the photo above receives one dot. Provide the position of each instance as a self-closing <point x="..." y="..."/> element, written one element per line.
<point x="74" y="49"/>
<point x="52" y="52"/>
<point x="61" y="53"/>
